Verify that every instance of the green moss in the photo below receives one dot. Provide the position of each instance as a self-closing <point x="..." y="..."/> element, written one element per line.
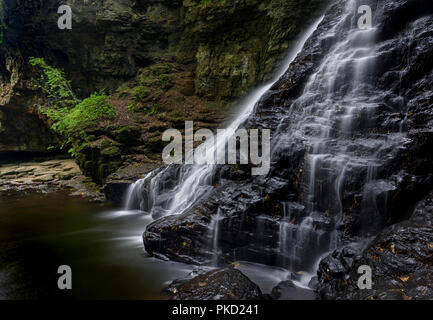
<point x="160" y="69"/>
<point x="164" y="81"/>
<point x="123" y="91"/>
<point x="111" y="152"/>
<point x="140" y="94"/>
<point x="146" y="80"/>
<point x="104" y="143"/>
<point x="162" y="116"/>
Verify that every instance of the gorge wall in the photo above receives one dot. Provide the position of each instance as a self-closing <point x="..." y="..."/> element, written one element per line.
<point x="216" y="51"/>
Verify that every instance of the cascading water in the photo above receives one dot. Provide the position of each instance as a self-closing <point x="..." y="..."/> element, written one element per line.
<point x="331" y="118"/>
<point x="214" y="228"/>
<point x="176" y="188"/>
<point x="332" y="121"/>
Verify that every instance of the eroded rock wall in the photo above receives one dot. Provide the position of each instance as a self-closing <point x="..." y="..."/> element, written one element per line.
<point x="228" y="46"/>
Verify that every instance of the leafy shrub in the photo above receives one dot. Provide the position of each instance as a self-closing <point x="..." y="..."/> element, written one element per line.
<point x="95" y="107"/>
<point x="67" y="113"/>
<point x="54" y="85"/>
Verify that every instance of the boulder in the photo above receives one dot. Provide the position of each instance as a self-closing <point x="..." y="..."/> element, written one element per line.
<point x="220" y="284"/>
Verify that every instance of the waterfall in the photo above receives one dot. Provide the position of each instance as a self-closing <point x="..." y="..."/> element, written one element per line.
<point x="134" y="198"/>
<point x="176" y="188"/>
<point x="332" y="118"/>
<point x="214" y="228"/>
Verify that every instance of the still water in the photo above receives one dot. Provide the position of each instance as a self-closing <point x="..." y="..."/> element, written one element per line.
<point x="102" y="244"/>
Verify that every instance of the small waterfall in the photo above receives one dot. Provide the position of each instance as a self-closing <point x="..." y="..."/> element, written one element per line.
<point x="214" y="229"/>
<point x="135" y="195"/>
<point x="176" y="188"/>
<point x="301" y="242"/>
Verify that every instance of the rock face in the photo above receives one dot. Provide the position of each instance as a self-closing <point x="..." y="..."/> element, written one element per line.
<point x="333" y="182"/>
<point x="217" y="50"/>
<point x="400" y="257"/>
<point x="45" y="176"/>
<point x="221" y="284"/>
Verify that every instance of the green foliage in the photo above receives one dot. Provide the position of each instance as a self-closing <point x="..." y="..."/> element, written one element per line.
<point x="67" y="113"/>
<point x="162" y="116"/>
<point x="123" y="91"/>
<point x="54" y="85"/>
<point x="204" y="3"/>
<point x="95" y="107"/>
<point x="158" y="75"/>
<point x="131" y="108"/>
<point x="164" y="81"/>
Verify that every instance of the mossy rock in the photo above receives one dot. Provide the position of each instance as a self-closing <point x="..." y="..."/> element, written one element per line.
<point x="110" y="152"/>
<point x="161" y="68"/>
<point x="140" y="94"/>
<point x="155" y="144"/>
<point x="127" y="135"/>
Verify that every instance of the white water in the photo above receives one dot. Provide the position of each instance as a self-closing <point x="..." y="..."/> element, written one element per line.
<point x="214" y="228"/>
<point x="324" y="119"/>
<point x="332" y="119"/>
<point x="329" y="119"/>
<point x="194" y="181"/>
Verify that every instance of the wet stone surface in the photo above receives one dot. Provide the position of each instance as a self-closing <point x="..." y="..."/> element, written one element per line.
<point x="46" y="176"/>
<point x="220" y="284"/>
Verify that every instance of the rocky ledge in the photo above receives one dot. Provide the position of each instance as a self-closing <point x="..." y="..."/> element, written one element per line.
<point x="220" y="284"/>
<point x="46" y="176"/>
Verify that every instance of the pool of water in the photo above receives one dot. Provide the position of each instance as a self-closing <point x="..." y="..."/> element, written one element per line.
<point x="102" y="244"/>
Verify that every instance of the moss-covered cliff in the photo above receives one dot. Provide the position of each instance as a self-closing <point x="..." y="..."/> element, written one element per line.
<point x="212" y="52"/>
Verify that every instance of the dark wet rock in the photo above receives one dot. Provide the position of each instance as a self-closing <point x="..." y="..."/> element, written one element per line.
<point x="401" y="259"/>
<point x="220" y="284"/>
<point x="115" y="190"/>
<point x="117" y="183"/>
<point x="287" y="290"/>
<point x="254" y="207"/>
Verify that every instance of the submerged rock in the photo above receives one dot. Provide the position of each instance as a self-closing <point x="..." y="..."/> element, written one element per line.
<point x="220" y="284"/>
